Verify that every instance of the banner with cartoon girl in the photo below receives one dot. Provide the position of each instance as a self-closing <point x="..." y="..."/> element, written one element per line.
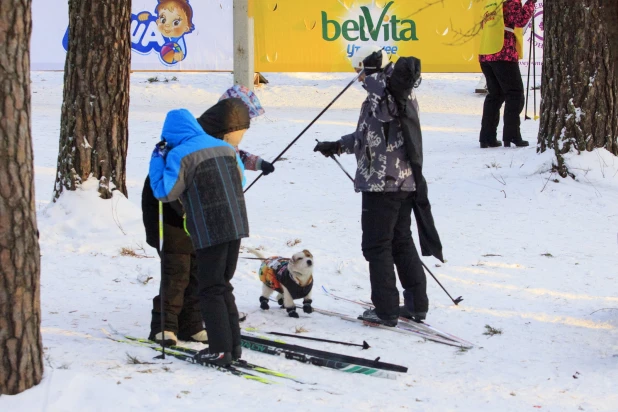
<point x="165" y="35"/>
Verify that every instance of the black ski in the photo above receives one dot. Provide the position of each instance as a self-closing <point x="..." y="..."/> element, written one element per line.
<point x="344" y="363"/>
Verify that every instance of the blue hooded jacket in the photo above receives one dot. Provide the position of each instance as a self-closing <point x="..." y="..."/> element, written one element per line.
<point x="207" y="175"/>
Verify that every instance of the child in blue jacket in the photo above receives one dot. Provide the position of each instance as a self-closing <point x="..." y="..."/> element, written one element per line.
<point x="207" y="175"/>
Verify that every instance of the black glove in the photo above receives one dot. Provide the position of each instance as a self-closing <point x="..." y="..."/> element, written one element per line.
<point x="328" y="148"/>
<point x="267" y="168"/>
<point x="373" y="63"/>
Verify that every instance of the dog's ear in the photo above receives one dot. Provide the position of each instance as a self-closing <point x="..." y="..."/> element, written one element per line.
<point x="307" y="253"/>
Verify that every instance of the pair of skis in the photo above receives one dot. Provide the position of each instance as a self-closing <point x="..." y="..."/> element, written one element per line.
<point x="237" y="368"/>
<point x="241" y="368"/>
<point x="405" y="326"/>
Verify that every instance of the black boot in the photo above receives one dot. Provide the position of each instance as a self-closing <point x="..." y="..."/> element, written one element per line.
<point x="495" y="143"/>
<point x="292" y="312"/>
<point x="371" y="316"/>
<point x="236" y="352"/>
<point x="264" y="303"/>
<point x="219" y="359"/>
<point x="518" y="143"/>
<point x="415" y="316"/>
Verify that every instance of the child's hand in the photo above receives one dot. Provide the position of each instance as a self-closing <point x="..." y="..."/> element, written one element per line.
<point x="267" y="168"/>
<point x="160" y="150"/>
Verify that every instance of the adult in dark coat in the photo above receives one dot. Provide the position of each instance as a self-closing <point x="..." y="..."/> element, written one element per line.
<point x="388" y="148"/>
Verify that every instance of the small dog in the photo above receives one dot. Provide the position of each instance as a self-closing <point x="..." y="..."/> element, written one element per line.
<point x="292" y="278"/>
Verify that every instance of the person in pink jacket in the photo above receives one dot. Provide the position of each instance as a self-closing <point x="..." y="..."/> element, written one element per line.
<point x="504" y="83"/>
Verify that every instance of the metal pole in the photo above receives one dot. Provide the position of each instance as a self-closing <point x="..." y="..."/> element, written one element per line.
<point x="243" y="45"/>
<point x="161" y="288"/>
<point x="307" y="128"/>
<point x="340" y="165"/>
<point x="530" y="46"/>
<point x="533" y="51"/>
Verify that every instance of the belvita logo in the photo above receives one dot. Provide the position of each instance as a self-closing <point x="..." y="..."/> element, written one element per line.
<point x="367" y="28"/>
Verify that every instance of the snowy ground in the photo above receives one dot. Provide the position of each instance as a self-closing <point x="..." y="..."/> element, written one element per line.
<point x="552" y="245"/>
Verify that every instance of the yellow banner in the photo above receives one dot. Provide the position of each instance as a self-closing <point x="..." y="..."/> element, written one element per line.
<point x="322" y="35"/>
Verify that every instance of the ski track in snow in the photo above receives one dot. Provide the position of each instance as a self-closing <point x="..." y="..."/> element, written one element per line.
<point x="557" y="264"/>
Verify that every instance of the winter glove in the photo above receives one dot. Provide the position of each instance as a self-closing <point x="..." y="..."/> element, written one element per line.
<point x="292" y="312"/>
<point x="267" y="168"/>
<point x="328" y="148"/>
<point x="373" y="63"/>
<point x="160" y="149"/>
<point x="307" y="306"/>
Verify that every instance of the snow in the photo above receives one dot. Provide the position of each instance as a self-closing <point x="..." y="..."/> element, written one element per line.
<point x="532" y="254"/>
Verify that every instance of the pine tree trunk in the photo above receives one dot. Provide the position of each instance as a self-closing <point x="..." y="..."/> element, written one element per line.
<point x="95" y="108"/>
<point x="579" y="109"/>
<point x="21" y="348"/>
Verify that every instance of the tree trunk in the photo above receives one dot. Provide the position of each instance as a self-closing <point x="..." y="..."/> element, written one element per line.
<point x="95" y="108"/>
<point x="21" y="348"/>
<point x="579" y="108"/>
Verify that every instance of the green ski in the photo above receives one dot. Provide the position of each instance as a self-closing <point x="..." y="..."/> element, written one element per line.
<point x="189" y="358"/>
<point x="241" y="364"/>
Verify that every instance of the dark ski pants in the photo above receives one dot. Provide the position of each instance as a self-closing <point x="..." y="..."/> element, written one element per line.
<point x="181" y="306"/>
<point x="387" y="242"/>
<point x="504" y="85"/>
<point x="216" y="267"/>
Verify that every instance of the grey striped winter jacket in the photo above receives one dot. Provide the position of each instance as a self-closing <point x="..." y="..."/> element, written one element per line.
<point x="382" y="163"/>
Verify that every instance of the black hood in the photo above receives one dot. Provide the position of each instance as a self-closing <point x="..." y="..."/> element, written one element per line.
<point x="224" y="117"/>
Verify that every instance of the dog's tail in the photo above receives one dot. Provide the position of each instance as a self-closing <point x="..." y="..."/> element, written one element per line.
<point x="256" y="253"/>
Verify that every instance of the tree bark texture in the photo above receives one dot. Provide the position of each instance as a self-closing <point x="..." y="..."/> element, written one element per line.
<point x="579" y="107"/>
<point x="95" y="108"/>
<point x="21" y="349"/>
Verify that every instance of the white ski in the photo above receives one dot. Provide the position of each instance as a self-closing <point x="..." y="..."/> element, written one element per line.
<point x="407" y="323"/>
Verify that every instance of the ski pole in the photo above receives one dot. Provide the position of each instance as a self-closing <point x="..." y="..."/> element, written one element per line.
<point x="161" y="293"/>
<point x="365" y="345"/>
<point x="307" y="128"/>
<point x="340" y="165"/>
<point x="455" y="301"/>
<point x="526" y="117"/>
<point x="534" y="68"/>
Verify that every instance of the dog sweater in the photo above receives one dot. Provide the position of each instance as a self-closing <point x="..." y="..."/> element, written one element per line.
<point x="274" y="273"/>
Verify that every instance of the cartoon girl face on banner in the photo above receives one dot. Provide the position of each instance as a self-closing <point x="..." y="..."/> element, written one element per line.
<point x="162" y="32"/>
<point x="174" y="19"/>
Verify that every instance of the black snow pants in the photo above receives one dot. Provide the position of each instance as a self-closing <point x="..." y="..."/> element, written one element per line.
<point x="504" y="85"/>
<point x="387" y="242"/>
<point x="181" y="306"/>
<point x="216" y="267"/>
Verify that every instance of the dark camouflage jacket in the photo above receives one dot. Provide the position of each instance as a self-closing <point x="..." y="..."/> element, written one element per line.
<point x="382" y="163"/>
